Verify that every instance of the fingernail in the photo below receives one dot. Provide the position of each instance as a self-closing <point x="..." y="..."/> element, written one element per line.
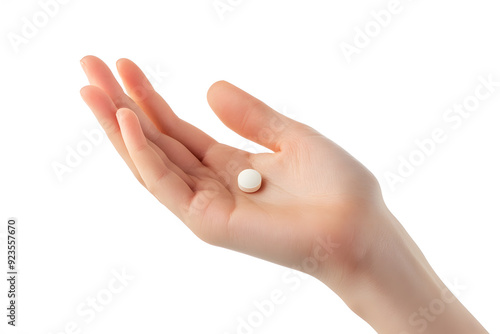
<point x="82" y="63"/>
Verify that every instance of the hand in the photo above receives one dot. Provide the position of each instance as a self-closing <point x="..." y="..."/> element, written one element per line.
<point x="311" y="187"/>
<point x="318" y="210"/>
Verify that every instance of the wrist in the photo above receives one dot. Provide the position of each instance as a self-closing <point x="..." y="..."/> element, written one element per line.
<point x="395" y="290"/>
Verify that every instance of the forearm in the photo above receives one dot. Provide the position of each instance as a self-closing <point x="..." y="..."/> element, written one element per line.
<point x="395" y="290"/>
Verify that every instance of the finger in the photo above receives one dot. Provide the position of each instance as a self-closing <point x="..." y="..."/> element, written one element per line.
<point x="101" y="76"/>
<point x="250" y="117"/>
<point x="105" y="112"/>
<point x="158" y="110"/>
<point x="162" y="182"/>
<point x="180" y="155"/>
<point x="171" y="164"/>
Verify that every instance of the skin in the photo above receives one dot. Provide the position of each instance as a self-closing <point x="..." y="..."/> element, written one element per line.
<point x="318" y="210"/>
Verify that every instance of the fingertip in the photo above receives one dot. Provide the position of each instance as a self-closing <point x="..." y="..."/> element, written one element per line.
<point x="88" y="93"/>
<point x="215" y="89"/>
<point x="129" y="72"/>
<point x="119" y="61"/>
<point x="83" y="91"/>
<point x="122" y="114"/>
<point x="85" y="61"/>
<point x="123" y="62"/>
<point x="216" y="85"/>
<point x="91" y="92"/>
<point x="127" y="115"/>
<point x="131" y="130"/>
<point x="119" y="115"/>
<point x="220" y="82"/>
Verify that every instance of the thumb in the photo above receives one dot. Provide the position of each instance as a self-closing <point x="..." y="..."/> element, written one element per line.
<point x="250" y="117"/>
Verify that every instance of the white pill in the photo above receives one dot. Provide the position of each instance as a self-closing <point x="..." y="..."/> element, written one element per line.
<point x="249" y="180"/>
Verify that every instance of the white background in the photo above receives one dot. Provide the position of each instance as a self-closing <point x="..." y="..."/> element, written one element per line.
<point x="74" y="232"/>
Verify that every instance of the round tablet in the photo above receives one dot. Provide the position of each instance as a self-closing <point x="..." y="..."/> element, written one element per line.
<point x="249" y="180"/>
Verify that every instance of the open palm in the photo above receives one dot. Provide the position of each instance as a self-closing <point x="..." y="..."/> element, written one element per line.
<point x="311" y="187"/>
